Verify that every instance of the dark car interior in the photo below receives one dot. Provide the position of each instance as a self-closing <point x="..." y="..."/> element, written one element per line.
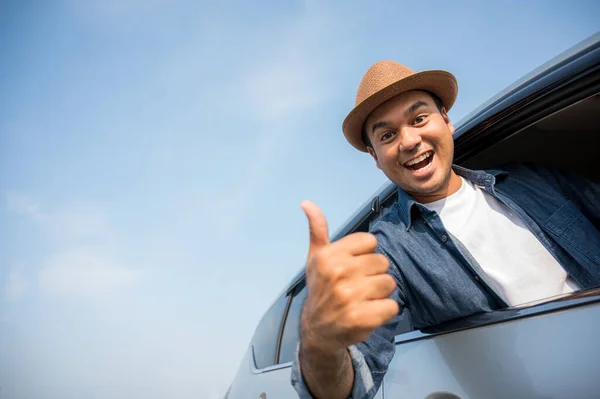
<point x="568" y="139"/>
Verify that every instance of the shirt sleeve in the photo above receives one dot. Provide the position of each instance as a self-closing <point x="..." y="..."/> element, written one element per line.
<point x="583" y="191"/>
<point x="363" y="381"/>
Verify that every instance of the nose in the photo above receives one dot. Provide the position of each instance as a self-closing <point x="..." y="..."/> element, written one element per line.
<point x="410" y="139"/>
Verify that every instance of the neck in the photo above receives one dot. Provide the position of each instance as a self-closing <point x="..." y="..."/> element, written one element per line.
<point x="450" y="186"/>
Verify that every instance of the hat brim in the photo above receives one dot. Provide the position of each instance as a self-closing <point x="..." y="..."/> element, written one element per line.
<point x="441" y="83"/>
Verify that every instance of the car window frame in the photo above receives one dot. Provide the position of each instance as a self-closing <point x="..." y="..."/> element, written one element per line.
<point x="293" y="294"/>
<point x="278" y="336"/>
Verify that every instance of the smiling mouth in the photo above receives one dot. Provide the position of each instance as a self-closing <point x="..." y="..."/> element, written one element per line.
<point x="419" y="162"/>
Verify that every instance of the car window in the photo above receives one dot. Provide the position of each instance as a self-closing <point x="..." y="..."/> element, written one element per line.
<point x="264" y="341"/>
<point x="291" y="331"/>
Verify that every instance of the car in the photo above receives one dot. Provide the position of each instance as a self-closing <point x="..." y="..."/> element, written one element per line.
<point x="548" y="349"/>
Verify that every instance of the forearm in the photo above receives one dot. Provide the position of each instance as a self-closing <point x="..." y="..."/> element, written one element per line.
<point x="327" y="374"/>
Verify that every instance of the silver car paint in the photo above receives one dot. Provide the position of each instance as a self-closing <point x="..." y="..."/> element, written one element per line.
<point x="269" y="383"/>
<point x="549" y="356"/>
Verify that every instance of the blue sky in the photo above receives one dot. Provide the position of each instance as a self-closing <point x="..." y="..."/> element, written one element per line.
<point x="154" y="155"/>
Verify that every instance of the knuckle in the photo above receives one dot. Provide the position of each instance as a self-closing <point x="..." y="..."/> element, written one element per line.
<point x="354" y="320"/>
<point x="336" y="272"/>
<point x="343" y="293"/>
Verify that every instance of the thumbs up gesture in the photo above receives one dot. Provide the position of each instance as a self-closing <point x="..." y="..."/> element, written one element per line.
<point x="348" y="287"/>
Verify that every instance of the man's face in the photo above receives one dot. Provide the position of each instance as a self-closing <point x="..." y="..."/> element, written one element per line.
<point x="412" y="144"/>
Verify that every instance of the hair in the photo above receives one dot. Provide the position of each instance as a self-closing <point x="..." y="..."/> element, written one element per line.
<point x="436" y="100"/>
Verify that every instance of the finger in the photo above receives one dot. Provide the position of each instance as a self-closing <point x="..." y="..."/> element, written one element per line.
<point x="357" y="243"/>
<point x="317" y="226"/>
<point x="380" y="311"/>
<point x="378" y="287"/>
<point x="372" y="264"/>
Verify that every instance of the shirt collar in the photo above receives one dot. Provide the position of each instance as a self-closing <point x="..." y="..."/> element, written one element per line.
<point x="484" y="178"/>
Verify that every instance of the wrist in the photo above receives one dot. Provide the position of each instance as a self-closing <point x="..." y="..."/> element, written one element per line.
<point x="310" y="338"/>
<point x="313" y="345"/>
<point x="313" y="340"/>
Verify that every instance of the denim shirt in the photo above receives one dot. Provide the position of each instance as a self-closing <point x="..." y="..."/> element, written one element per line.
<point x="438" y="280"/>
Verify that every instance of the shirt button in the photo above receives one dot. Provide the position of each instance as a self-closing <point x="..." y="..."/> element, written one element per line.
<point x="444" y="238"/>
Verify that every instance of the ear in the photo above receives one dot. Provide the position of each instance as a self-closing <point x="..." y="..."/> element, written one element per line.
<point x="374" y="155"/>
<point x="447" y="120"/>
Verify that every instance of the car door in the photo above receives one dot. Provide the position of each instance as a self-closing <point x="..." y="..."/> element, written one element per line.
<point x="548" y="351"/>
<point x="260" y="374"/>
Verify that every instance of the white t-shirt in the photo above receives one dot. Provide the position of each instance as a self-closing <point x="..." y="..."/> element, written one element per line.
<point x="517" y="263"/>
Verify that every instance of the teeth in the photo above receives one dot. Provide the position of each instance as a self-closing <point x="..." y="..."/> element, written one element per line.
<point x="418" y="159"/>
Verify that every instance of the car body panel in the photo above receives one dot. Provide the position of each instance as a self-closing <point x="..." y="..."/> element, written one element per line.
<point x="252" y="383"/>
<point x="553" y="355"/>
<point x="270" y="382"/>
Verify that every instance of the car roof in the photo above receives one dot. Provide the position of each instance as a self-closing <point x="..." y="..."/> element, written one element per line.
<point x="510" y="94"/>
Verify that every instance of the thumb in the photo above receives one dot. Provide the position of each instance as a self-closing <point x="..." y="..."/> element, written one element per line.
<point x="317" y="225"/>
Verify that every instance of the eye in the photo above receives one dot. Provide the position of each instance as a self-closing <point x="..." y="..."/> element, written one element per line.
<point x="419" y="119"/>
<point x="387" y="135"/>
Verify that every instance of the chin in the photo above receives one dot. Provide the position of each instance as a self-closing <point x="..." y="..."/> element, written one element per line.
<point x="432" y="186"/>
<point x="426" y="190"/>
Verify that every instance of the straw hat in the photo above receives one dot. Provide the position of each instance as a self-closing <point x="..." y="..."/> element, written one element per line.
<point x="387" y="79"/>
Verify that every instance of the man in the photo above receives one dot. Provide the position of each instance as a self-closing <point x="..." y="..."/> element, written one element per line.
<point x="457" y="242"/>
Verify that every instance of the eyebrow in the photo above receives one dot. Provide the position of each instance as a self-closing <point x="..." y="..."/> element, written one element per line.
<point x="379" y="124"/>
<point x="414" y="107"/>
<point x="409" y="111"/>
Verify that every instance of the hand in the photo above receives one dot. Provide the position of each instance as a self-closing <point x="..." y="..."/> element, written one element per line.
<point x="348" y="287"/>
